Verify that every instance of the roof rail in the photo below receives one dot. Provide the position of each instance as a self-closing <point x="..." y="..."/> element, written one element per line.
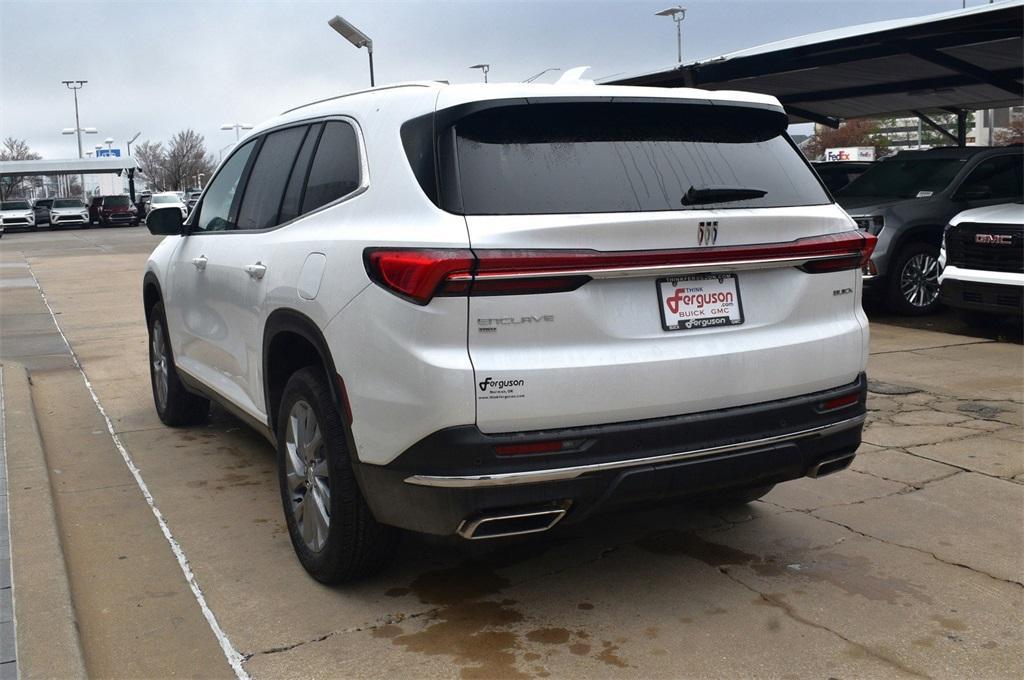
<point x="433" y="83"/>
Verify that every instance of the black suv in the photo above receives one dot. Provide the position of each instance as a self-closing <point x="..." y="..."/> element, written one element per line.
<point x="907" y="199"/>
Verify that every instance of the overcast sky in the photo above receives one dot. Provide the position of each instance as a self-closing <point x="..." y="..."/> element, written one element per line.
<point x="159" y="67"/>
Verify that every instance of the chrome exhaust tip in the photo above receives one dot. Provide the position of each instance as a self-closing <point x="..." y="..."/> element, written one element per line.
<point x="827" y="466"/>
<point x="511" y="524"/>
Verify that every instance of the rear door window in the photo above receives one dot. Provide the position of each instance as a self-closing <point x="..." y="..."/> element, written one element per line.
<point x="623" y="157"/>
<point x="265" y="188"/>
<point x="297" y="181"/>
<point x="336" y="167"/>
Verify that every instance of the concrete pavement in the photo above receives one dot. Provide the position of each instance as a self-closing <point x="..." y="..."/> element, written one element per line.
<point x="907" y="565"/>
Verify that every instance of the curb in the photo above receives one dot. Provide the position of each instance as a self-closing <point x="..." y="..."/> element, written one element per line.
<point x="48" y="645"/>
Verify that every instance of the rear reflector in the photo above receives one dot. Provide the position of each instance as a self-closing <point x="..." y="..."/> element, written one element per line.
<point x="526" y="449"/>
<point x="839" y="402"/>
<point x="419" y="275"/>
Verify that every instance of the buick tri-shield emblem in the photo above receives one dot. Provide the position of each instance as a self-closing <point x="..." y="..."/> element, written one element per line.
<point x="707" y="233"/>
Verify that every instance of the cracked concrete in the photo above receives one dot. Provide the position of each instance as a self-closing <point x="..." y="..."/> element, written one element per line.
<point x="908" y="564"/>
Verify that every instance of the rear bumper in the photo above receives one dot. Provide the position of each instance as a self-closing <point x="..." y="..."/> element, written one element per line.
<point x="454" y="476"/>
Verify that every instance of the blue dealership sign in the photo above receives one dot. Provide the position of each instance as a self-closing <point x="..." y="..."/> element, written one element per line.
<point x="108" y="153"/>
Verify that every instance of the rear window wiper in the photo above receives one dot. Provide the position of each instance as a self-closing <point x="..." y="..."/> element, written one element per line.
<point x="704" y="195"/>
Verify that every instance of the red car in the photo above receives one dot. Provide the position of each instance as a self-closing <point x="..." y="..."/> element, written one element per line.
<point x="111" y="210"/>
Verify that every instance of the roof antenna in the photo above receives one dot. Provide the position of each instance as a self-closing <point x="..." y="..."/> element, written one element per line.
<point x="573" y="76"/>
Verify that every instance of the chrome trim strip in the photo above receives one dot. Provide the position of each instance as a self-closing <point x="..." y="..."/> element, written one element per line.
<point x="655" y="270"/>
<point x="556" y="474"/>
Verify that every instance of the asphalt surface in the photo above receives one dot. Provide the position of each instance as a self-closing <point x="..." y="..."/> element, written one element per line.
<point x="909" y="564"/>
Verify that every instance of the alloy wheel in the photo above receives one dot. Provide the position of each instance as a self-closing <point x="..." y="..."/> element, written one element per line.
<point x="919" y="280"/>
<point x="308" y="480"/>
<point x="160" y="361"/>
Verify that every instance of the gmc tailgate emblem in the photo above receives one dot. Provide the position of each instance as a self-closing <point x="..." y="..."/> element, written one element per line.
<point x="994" y="239"/>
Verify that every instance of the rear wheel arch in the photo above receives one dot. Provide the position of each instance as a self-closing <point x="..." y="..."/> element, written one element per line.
<point x="291" y="341"/>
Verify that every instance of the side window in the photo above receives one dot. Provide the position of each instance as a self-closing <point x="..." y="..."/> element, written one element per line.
<point x="297" y="182"/>
<point x="995" y="178"/>
<point x="215" y="212"/>
<point x="265" y="187"/>
<point x="336" y="169"/>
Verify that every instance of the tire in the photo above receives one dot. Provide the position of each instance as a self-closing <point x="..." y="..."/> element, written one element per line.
<point x="913" y="288"/>
<point x="743" y="496"/>
<point x="346" y="542"/>
<point x="175" y="405"/>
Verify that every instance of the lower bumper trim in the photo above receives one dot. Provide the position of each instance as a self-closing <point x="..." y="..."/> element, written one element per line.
<point x="573" y="472"/>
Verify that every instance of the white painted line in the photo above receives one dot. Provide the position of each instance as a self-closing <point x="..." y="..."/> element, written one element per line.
<point x="7" y="501"/>
<point x="232" y="655"/>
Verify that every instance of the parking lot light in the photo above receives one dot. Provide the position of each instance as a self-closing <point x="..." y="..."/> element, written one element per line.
<point x="236" y="127"/>
<point x="354" y="36"/>
<point x="129" y="142"/>
<point x="484" y="68"/>
<point x="678" y="13"/>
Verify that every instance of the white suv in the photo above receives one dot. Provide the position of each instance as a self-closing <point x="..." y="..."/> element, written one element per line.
<point x="483" y="309"/>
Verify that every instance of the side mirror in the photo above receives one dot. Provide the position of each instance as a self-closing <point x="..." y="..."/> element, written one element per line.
<point x="164" y="221"/>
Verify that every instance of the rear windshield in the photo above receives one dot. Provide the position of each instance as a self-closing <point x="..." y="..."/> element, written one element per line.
<point x="115" y="200"/>
<point x="14" y="205"/>
<point x="904" y="179"/>
<point x="603" y="157"/>
<point x="68" y="203"/>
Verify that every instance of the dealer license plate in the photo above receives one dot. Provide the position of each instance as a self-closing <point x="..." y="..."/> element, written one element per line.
<point x="700" y="301"/>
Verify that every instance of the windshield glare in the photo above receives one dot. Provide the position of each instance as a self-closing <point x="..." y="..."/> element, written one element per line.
<point x="68" y="203"/>
<point x="904" y="179"/>
<point x="165" y="199"/>
<point x="14" y="205"/>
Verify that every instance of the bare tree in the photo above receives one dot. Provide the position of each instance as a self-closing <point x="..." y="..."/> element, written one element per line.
<point x="15" y="150"/>
<point x="152" y="159"/>
<point x="186" y="158"/>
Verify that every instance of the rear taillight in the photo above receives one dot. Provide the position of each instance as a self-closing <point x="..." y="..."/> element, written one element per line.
<point x="422" y="274"/>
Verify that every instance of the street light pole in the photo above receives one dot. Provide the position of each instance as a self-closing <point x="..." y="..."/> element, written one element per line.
<point x="129" y="142"/>
<point x="354" y="36"/>
<point x="484" y="68"/>
<point x="678" y="13"/>
<point x="75" y="86"/>
<point x="237" y="127"/>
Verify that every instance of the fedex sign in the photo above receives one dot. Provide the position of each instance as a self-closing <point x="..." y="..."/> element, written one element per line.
<point x="850" y="153"/>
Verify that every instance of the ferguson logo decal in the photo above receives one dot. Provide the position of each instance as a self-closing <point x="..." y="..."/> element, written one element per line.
<point x="707" y="233"/>
<point x="499" y="384"/>
<point x="994" y="239"/>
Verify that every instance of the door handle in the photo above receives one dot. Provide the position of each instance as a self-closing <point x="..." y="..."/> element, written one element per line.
<point x="199" y="262"/>
<point x="257" y="270"/>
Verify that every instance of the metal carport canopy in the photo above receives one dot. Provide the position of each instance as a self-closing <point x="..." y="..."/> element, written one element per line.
<point x="959" y="60"/>
<point x="70" y="166"/>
